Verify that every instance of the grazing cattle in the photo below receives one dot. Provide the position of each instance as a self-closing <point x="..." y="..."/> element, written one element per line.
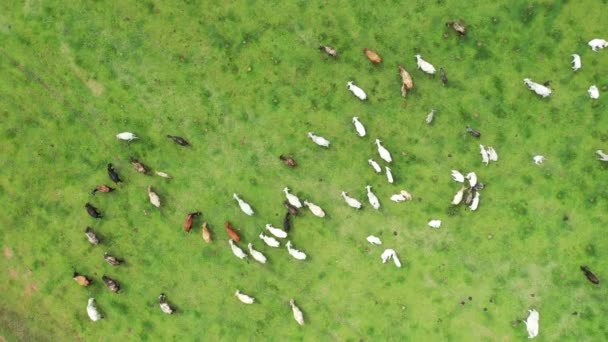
<point x="475" y="202"/>
<point x="126" y="136"/>
<point x="314" y="209"/>
<point x="164" y="305"/>
<point x="82" y="280"/>
<point x="424" y="65"/>
<point x="484" y="155"/>
<point x="372" y="56"/>
<point x="430" y="116"/>
<point x="593" y="92"/>
<point x="396" y="260"/>
<point x="492" y="154"/>
<point x="384" y="153"/>
<point x="401" y="196"/>
<point x="329" y="50"/>
<point x="590" y="276"/>
<point x="178" y="140"/>
<point x="373" y="200"/>
<point x="351" y="201"/>
<point x="113" y="174"/>
<point x="276" y="231"/>
<point x="206" y="233"/>
<point x="457" y="176"/>
<point x="291" y="209"/>
<point x="288" y="160"/>
<point x="539" y="89"/>
<point x="472" y="177"/>
<point x="473" y="132"/>
<point x="458" y="197"/>
<point x="406" y="81"/>
<point x="359" y="126"/>
<point x="576" y="62"/>
<point x="238" y="252"/>
<point x="444" y="76"/>
<point x="243" y="297"/>
<point x="458" y="27"/>
<point x="292" y="199"/>
<point x="257" y="255"/>
<point x="375" y="165"/>
<point x="92" y="311"/>
<point x="538" y="159"/>
<point x="162" y="174"/>
<point x="91" y="236"/>
<point x="154" y="198"/>
<point x="297" y="313"/>
<point x="374" y="240"/>
<point x="358" y="92"/>
<point x="601" y="155"/>
<point x="434" y="223"/>
<point x="111" y="284"/>
<point x="269" y="240"/>
<point x="112" y="260"/>
<point x="189" y="220"/>
<point x="287" y="222"/>
<point x="389" y="174"/>
<point x="318" y="140"/>
<point x="532" y="323"/>
<point x="138" y="166"/>
<point x="299" y="255"/>
<point x="231" y="232"/>
<point x="245" y="207"/>
<point x="102" y="188"/>
<point x="92" y="211"/>
<point x="598" y="44"/>
<point x="390" y="254"/>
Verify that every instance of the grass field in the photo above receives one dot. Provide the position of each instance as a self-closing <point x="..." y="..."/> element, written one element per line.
<point x="244" y="81"/>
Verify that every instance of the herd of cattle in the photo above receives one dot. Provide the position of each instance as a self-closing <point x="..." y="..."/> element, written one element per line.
<point x="468" y="194"/>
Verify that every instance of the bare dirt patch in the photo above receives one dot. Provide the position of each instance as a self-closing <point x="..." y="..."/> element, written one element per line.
<point x="8" y="253"/>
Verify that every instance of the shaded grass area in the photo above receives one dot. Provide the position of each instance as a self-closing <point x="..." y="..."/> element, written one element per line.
<point x="244" y="86"/>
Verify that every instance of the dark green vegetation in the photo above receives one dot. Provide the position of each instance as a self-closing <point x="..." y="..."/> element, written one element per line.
<point x="244" y="83"/>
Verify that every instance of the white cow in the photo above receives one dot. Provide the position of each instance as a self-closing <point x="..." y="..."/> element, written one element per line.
<point x="472" y="177"/>
<point x="373" y="199"/>
<point x="457" y="176"/>
<point x="492" y="153"/>
<point x="92" y="311"/>
<point x="389" y="174"/>
<point x="351" y="201"/>
<point x="244" y="298"/>
<point x="458" y="197"/>
<point x="401" y="196"/>
<point x="424" y="65"/>
<point x="236" y="250"/>
<point x="292" y="199"/>
<point x="297" y="313"/>
<point x="154" y="198"/>
<point x="475" y="202"/>
<point x="315" y="209"/>
<point x="375" y="165"/>
<point x="162" y="174"/>
<point x="598" y="44"/>
<point x="269" y="240"/>
<point x="374" y="240"/>
<point x="245" y="207"/>
<point x="537" y="88"/>
<point x="359" y="126"/>
<point x="593" y="92"/>
<point x="435" y="223"/>
<point x="299" y="255"/>
<point x="126" y="136"/>
<point x="164" y="305"/>
<point x="386" y="255"/>
<point x="601" y="155"/>
<point x="358" y="92"/>
<point x="538" y="159"/>
<point x="532" y="323"/>
<point x="430" y="117"/>
<point x="280" y="233"/>
<point x="257" y="255"/>
<point x="484" y="155"/>
<point x="384" y="153"/>
<point x="318" y="139"/>
<point x="576" y="62"/>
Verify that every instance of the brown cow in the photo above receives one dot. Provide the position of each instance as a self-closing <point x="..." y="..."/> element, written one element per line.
<point x="233" y="235"/>
<point x="81" y="279"/>
<point x="102" y="188"/>
<point x="372" y="56"/>
<point x="189" y="219"/>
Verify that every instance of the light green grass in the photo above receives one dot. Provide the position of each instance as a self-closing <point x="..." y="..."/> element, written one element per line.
<point x="244" y="82"/>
